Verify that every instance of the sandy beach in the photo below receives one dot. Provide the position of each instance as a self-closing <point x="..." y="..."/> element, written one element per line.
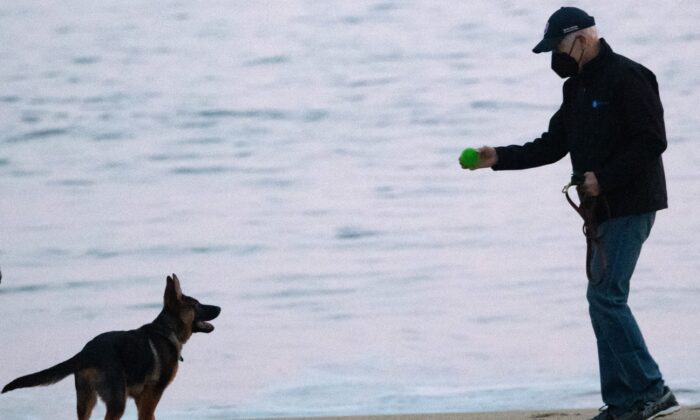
<point x="686" y="413"/>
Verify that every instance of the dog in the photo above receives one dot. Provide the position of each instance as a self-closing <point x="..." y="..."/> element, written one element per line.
<point x="138" y="363"/>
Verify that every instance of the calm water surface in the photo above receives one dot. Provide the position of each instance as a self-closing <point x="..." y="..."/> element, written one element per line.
<point x="296" y="163"/>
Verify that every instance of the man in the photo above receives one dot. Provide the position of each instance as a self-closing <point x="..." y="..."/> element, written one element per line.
<point x="611" y="123"/>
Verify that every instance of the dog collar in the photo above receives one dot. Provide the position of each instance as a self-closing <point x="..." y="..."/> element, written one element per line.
<point x="173" y="339"/>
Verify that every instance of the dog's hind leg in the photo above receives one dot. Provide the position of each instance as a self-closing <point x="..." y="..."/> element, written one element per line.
<point x="113" y="393"/>
<point x="85" y="393"/>
<point x="115" y="408"/>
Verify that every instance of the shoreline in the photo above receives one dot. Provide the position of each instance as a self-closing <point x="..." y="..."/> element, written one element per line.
<point x="686" y="413"/>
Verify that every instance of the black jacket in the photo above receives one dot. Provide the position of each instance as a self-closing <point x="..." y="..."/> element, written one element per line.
<point x="611" y="122"/>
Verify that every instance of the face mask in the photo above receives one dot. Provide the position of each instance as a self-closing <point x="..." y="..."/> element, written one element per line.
<point x="565" y="65"/>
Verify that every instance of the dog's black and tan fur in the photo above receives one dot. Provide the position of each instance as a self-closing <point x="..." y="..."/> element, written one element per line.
<point x="137" y="363"/>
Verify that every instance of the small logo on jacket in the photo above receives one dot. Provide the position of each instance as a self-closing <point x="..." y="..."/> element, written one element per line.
<point x="596" y="103"/>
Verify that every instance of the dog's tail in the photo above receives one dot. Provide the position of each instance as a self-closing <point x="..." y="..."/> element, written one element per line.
<point x="47" y="376"/>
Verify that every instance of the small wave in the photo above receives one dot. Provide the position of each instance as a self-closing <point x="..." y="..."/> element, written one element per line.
<point x="88" y="59"/>
<point x="30" y="119"/>
<point x="485" y="104"/>
<point x="275" y="182"/>
<point x="9" y="99"/>
<point x="104" y="253"/>
<point x="108" y="136"/>
<point x="203" y="140"/>
<point x="164" y="157"/>
<point x="349" y="233"/>
<point x="311" y="115"/>
<point x="293" y="293"/>
<point x="196" y="125"/>
<point x="72" y="182"/>
<point x="39" y="134"/>
<point x="380" y="81"/>
<point x="200" y="170"/>
<point x="54" y="252"/>
<point x="208" y="249"/>
<point x="351" y="20"/>
<point x="264" y="61"/>
<point x="264" y="114"/>
<point x="315" y="115"/>
<point x="5" y="290"/>
<point x="386" y="6"/>
<point x="101" y="253"/>
<point x="105" y="99"/>
<point x="496" y="319"/>
<point x="42" y="287"/>
<point x="145" y="306"/>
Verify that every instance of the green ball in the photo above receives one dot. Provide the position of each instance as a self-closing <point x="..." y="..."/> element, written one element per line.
<point x="469" y="158"/>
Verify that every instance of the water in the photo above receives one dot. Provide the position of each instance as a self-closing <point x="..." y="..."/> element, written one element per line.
<point x="296" y="163"/>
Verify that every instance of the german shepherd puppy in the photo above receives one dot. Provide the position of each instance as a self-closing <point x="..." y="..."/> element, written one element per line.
<point x="137" y="363"/>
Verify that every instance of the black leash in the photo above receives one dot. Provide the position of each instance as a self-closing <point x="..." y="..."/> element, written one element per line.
<point x="590" y="212"/>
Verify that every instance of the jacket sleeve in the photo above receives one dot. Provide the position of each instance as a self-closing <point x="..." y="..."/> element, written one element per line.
<point x="642" y="119"/>
<point x="549" y="148"/>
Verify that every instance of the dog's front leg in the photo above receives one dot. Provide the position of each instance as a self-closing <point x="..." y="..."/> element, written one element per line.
<point x="147" y="402"/>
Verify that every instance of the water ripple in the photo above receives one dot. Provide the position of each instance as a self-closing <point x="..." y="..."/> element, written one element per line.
<point x="492" y="105"/>
<point x="264" y="114"/>
<point x="263" y="61"/>
<point x="351" y="233"/>
<point x="42" y="287"/>
<point x="295" y="293"/>
<point x="39" y="134"/>
<point x="201" y="170"/>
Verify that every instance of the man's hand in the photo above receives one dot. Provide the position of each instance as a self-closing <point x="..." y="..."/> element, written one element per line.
<point x="487" y="157"/>
<point x="590" y="185"/>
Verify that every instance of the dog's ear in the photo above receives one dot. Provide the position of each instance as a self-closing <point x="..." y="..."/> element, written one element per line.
<point x="173" y="292"/>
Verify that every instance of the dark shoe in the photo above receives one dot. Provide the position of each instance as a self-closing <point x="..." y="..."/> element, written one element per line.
<point x="634" y="414"/>
<point x="604" y="414"/>
<point x="665" y="405"/>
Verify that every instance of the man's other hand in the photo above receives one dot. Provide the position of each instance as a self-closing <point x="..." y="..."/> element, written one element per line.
<point x="590" y="185"/>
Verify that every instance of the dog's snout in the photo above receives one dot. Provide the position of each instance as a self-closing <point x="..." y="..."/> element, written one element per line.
<point x="210" y="311"/>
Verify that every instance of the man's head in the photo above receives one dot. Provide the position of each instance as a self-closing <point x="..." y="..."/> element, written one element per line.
<point x="563" y="22"/>
<point x="572" y="37"/>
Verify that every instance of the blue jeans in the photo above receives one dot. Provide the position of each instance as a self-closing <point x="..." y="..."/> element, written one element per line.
<point x="628" y="373"/>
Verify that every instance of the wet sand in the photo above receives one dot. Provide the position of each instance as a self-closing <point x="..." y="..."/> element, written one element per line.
<point x="686" y="413"/>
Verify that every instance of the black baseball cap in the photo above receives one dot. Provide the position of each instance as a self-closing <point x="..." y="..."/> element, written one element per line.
<point x="563" y="22"/>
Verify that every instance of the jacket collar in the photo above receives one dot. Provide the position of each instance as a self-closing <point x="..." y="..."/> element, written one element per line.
<point x="598" y="62"/>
